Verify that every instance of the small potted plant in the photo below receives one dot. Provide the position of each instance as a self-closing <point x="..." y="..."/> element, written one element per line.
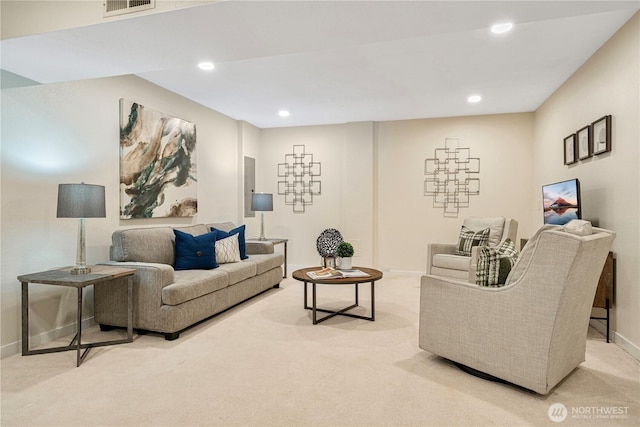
<point x="344" y="252"/>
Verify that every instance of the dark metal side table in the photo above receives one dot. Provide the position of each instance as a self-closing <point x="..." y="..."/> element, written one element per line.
<point x="275" y="241"/>
<point x="63" y="277"/>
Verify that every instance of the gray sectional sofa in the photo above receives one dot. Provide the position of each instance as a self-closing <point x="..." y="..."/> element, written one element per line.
<point x="168" y="300"/>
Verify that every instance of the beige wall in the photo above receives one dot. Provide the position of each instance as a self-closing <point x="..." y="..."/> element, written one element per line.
<point x="407" y="220"/>
<point x="345" y="153"/>
<point x="608" y="83"/>
<point x="68" y="132"/>
<point x="249" y="143"/>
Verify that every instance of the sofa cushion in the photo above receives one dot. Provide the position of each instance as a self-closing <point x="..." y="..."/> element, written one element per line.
<point x="266" y="262"/>
<point x="191" y="284"/>
<point x="494" y="264"/>
<point x="227" y="250"/>
<point x="195" y="252"/>
<point x="194" y="230"/>
<point x="240" y="231"/>
<point x="452" y="262"/>
<point x="153" y="244"/>
<point x="224" y="226"/>
<point x="239" y="271"/>
<point x="494" y="224"/>
<point x="470" y="238"/>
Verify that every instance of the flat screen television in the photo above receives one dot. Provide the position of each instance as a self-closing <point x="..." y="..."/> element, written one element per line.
<point x="561" y="202"/>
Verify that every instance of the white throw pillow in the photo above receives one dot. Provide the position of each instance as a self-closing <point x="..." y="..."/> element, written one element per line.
<point x="228" y="249"/>
<point x="579" y="227"/>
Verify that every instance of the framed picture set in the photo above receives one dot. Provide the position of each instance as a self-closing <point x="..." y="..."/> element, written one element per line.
<point x="570" y="149"/>
<point x="584" y="143"/>
<point x="601" y="135"/>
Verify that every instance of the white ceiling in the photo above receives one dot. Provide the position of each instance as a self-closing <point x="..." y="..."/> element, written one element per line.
<point x="336" y="62"/>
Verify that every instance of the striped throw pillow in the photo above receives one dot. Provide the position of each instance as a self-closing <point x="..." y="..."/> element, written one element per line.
<point x="494" y="264"/>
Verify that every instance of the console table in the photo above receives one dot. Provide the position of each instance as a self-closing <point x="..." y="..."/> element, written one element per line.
<point x="63" y="277"/>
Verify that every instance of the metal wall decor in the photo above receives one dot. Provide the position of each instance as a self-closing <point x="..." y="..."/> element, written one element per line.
<point x="449" y="177"/>
<point x="299" y="185"/>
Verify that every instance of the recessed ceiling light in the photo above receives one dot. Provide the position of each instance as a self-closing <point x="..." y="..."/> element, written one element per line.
<point x="207" y="66"/>
<point x="283" y="113"/>
<point x="501" y="28"/>
<point x="474" y="98"/>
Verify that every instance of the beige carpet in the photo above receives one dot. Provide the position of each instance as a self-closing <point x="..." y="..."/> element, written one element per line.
<point x="265" y="364"/>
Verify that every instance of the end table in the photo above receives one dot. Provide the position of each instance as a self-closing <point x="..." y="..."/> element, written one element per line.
<point x="275" y="241"/>
<point x="63" y="277"/>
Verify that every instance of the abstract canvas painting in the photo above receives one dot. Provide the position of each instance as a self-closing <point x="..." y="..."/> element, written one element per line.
<point x="158" y="173"/>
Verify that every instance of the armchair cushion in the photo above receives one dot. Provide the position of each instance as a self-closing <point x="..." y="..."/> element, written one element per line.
<point x="469" y="238"/>
<point x="452" y="262"/>
<point x="494" y="264"/>
<point x="495" y="225"/>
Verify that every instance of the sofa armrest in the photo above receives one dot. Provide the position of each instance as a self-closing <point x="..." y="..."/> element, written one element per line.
<point x="259" y="247"/>
<point x="148" y="272"/>
<point x="438" y="248"/>
<point x="148" y="281"/>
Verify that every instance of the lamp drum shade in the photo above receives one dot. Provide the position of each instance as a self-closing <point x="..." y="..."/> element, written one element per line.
<point x="81" y="201"/>
<point x="262" y="202"/>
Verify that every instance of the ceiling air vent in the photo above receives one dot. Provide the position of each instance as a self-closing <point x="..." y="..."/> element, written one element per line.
<point x="120" y="7"/>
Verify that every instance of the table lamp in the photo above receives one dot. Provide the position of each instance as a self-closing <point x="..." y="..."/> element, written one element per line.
<point x="261" y="202"/>
<point x="81" y="201"/>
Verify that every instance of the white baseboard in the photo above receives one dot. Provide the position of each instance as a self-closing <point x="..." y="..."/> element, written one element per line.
<point x="403" y="272"/>
<point x="615" y="337"/>
<point x="627" y="346"/>
<point x="44" y="338"/>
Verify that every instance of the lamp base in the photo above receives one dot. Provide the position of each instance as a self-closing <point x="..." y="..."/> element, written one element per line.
<point x="80" y="270"/>
<point x="262" y="226"/>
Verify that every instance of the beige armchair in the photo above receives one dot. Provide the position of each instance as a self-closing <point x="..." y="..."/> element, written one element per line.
<point x="532" y="332"/>
<point x="443" y="261"/>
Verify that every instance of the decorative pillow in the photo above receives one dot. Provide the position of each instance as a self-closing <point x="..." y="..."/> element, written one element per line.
<point x="241" y="240"/>
<point x="579" y="227"/>
<point x="195" y="252"/>
<point x="469" y="239"/>
<point x="494" y="264"/>
<point x="228" y="249"/>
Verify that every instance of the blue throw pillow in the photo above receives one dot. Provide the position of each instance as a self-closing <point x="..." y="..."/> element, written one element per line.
<point x="195" y="252"/>
<point x="241" y="239"/>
